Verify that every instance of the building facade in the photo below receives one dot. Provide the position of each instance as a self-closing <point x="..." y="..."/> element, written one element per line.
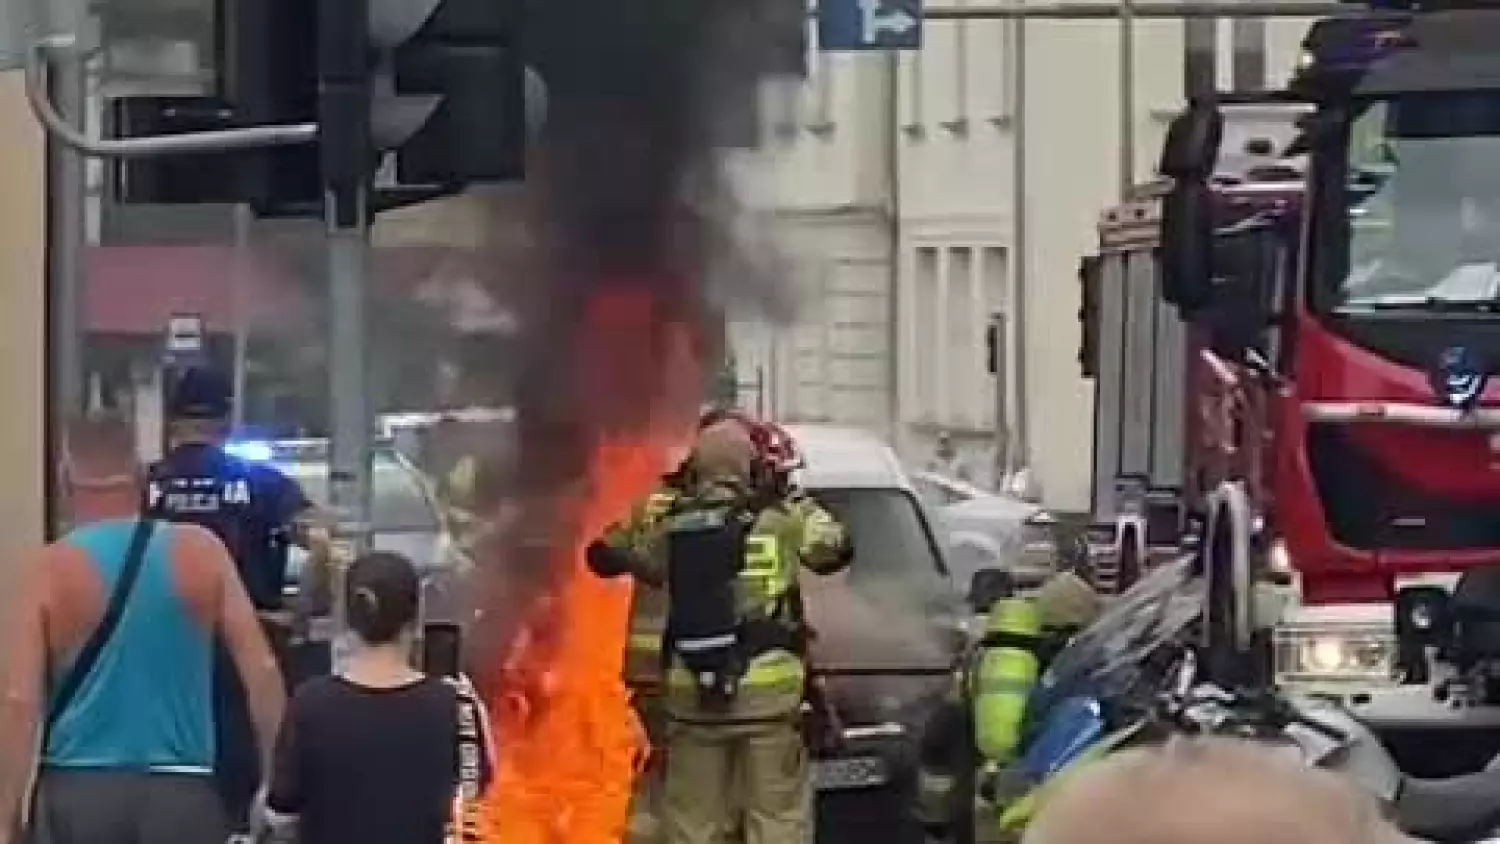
<point x="893" y="183"/>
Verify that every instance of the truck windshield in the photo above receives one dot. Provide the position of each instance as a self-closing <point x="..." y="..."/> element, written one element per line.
<point x="1422" y="212"/>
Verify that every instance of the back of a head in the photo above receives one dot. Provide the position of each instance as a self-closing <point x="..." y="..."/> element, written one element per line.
<point x="100" y="450"/>
<point x="383" y="594"/>
<point x="1207" y="791"/>
<point x="723" y="450"/>
<point x="200" y="394"/>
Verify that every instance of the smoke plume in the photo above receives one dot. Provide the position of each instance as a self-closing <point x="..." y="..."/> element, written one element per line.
<point x="628" y="207"/>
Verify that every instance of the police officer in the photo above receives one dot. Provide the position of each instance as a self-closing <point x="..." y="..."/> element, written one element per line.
<point x="256" y="511"/>
<point x="735" y="649"/>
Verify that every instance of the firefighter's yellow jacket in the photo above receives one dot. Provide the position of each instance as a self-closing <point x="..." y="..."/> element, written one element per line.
<point x="786" y="536"/>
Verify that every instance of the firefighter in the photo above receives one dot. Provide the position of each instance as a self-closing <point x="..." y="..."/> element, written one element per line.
<point x="728" y="550"/>
<point x="987" y="714"/>
<point x="1000" y="680"/>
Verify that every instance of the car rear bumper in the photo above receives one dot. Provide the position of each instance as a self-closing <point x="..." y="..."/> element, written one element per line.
<point x="878" y="812"/>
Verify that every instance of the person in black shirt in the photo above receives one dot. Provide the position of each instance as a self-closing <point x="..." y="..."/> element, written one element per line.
<point x="376" y="754"/>
<point x="256" y="511"/>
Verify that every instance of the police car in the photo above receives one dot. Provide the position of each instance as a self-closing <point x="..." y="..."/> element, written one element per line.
<point x="404" y="513"/>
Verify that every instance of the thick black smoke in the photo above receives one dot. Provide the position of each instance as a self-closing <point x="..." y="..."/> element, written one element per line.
<point x="627" y="208"/>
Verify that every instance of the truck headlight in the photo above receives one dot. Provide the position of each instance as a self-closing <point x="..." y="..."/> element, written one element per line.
<point x="1278" y="559"/>
<point x="1335" y="653"/>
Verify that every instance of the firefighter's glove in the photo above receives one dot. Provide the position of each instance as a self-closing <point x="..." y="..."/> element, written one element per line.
<point x="823" y="730"/>
<point x="822" y="726"/>
<point x="845" y="554"/>
<point x="605" y="560"/>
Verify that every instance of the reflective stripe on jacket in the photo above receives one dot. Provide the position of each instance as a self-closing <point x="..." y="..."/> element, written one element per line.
<point x="784" y="537"/>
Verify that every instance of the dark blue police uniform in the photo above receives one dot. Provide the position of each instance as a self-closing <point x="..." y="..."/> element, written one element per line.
<point x="250" y="507"/>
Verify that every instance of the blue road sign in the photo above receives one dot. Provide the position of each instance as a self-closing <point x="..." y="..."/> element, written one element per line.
<point x="860" y="25"/>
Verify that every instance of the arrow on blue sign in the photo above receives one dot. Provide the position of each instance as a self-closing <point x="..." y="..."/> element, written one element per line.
<point x="859" y="25"/>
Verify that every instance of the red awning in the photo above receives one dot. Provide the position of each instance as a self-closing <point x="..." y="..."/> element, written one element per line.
<point x="135" y="289"/>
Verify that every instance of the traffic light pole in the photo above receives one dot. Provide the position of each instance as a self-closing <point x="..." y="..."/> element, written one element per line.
<point x="67" y="209"/>
<point x="346" y="144"/>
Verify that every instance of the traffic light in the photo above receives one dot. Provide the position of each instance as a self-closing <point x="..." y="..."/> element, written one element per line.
<point x="265" y="53"/>
<point x="172" y="180"/>
<point x="443" y="87"/>
<point x="465" y="56"/>
<point x="786" y="40"/>
<point x="267" y="58"/>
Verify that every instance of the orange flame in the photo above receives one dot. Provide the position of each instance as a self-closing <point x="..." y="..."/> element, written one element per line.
<point x="570" y="744"/>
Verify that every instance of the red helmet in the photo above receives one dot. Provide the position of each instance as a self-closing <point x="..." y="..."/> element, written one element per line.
<point x="773" y="444"/>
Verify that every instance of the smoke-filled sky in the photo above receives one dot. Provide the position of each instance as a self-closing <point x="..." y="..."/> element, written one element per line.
<point x="634" y="228"/>
<point x="628" y="208"/>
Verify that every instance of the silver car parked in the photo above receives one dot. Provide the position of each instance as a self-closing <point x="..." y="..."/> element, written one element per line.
<point x="404" y="516"/>
<point x="984" y="529"/>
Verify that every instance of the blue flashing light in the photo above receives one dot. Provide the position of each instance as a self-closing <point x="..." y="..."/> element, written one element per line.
<point x="251" y="450"/>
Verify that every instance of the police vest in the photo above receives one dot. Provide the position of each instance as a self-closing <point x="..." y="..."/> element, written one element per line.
<point x="223" y="497"/>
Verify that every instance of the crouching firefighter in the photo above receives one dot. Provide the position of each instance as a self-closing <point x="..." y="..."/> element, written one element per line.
<point x="982" y="731"/>
<point x="728" y="556"/>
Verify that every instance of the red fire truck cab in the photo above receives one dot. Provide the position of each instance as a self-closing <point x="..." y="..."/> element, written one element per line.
<point x="1291" y="334"/>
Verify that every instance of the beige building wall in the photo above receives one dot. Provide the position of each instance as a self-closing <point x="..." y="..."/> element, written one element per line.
<point x="22" y="321"/>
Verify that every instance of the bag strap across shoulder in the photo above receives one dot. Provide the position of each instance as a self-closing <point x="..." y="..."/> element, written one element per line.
<point x="88" y="655"/>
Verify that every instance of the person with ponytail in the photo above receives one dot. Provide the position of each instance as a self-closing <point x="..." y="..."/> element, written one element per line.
<point x="378" y="752"/>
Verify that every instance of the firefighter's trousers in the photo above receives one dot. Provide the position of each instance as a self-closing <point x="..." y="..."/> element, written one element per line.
<point x="725" y="778"/>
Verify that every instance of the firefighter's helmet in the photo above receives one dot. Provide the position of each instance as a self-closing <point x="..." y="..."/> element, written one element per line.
<point x="775" y="447"/>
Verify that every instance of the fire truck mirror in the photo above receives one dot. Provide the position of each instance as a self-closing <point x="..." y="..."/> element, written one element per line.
<point x="1188" y="158"/>
<point x="1186" y="251"/>
<point x="1239" y="315"/>
<point x="1191" y="150"/>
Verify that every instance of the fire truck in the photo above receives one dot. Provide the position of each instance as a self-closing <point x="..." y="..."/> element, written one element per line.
<point x="1291" y="332"/>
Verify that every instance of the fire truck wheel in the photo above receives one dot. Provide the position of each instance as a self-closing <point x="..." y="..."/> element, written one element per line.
<point x="1218" y="598"/>
<point x="1227" y="568"/>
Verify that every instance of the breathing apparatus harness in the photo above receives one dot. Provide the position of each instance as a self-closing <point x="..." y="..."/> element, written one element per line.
<point x="713" y="549"/>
